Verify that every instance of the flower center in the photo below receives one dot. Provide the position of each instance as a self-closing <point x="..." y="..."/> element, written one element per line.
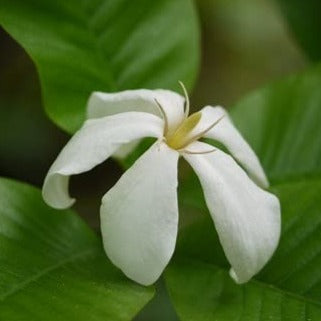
<point x="181" y="137"/>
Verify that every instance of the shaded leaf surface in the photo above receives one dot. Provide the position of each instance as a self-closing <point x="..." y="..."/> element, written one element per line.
<point x="304" y="20"/>
<point x="53" y="267"/>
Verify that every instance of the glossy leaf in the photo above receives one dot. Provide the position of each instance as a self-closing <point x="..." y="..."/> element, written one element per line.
<point x="282" y="123"/>
<point x="106" y="45"/>
<point x="298" y="249"/>
<point x="52" y="266"/>
<point x="204" y="292"/>
<point x="289" y="288"/>
<point x="304" y="20"/>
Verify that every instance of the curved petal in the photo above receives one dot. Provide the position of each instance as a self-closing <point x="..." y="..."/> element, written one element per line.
<point x="105" y="104"/>
<point x="226" y="133"/>
<point x="246" y="217"/>
<point x="92" y="144"/>
<point x="139" y="215"/>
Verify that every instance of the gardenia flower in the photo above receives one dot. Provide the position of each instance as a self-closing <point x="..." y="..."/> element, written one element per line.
<point x="139" y="215"/>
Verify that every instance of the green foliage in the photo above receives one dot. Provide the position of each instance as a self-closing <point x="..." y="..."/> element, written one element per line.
<point x="287" y="286"/>
<point x="282" y="123"/>
<point x="304" y="19"/>
<point x="53" y="267"/>
<point x="106" y="45"/>
<point x="204" y="292"/>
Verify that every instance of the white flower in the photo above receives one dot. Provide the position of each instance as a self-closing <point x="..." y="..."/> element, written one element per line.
<point x="139" y="215"/>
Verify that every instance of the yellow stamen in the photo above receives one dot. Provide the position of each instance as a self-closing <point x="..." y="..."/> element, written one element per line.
<point x="202" y="133"/>
<point x="179" y="139"/>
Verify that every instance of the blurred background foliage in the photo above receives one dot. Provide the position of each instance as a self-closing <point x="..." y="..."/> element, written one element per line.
<point x="245" y="44"/>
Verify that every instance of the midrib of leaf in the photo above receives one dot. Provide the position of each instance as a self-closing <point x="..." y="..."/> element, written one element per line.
<point x="43" y="272"/>
<point x="87" y="18"/>
<point x="285" y="292"/>
<point x="262" y="284"/>
<point x="283" y="282"/>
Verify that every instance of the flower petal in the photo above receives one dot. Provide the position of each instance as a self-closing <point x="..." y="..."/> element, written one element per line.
<point x="226" y="133"/>
<point x="92" y="144"/>
<point x="104" y="104"/>
<point x="246" y="217"/>
<point x="139" y="215"/>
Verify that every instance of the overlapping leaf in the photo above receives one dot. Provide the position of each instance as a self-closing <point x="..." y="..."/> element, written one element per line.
<point x="282" y="123"/>
<point x="52" y="266"/>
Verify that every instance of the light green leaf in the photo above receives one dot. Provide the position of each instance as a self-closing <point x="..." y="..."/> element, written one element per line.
<point x="107" y="45"/>
<point x="304" y="19"/>
<point x="52" y="266"/>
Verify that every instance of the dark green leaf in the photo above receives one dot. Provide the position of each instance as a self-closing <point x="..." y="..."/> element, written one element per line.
<point x="304" y="19"/>
<point x="296" y="265"/>
<point x="107" y="45"/>
<point x="52" y="266"/>
<point x="204" y="292"/>
<point x="282" y="123"/>
<point x="289" y="288"/>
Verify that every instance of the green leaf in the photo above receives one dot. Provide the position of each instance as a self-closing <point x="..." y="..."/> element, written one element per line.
<point x="304" y="19"/>
<point x="52" y="266"/>
<point x="282" y="123"/>
<point x="204" y="292"/>
<point x="289" y="288"/>
<point x="107" y="45"/>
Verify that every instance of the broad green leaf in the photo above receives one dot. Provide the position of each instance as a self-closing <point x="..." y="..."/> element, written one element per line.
<point x="52" y="266"/>
<point x="304" y="19"/>
<point x="282" y="123"/>
<point x="204" y="292"/>
<point x="289" y="288"/>
<point x="296" y="265"/>
<point x="107" y="45"/>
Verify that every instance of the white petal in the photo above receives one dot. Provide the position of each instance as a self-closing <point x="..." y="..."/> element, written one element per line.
<point x="97" y="140"/>
<point x="104" y="104"/>
<point x="226" y="133"/>
<point x="139" y="215"/>
<point x="246" y="217"/>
